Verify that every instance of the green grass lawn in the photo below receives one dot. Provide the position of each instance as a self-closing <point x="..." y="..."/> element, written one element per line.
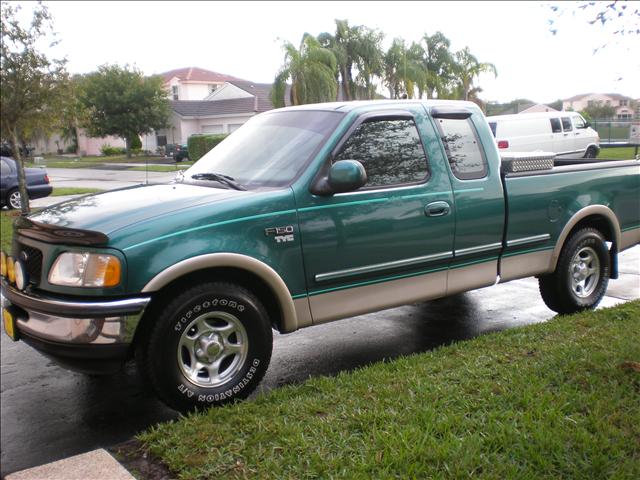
<point x="6" y="228"/>
<point x="618" y="153"/>
<point x="553" y="400"/>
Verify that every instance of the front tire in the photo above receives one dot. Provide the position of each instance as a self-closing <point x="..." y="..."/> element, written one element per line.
<point x="209" y="346"/>
<point x="581" y="276"/>
<point x="592" y="152"/>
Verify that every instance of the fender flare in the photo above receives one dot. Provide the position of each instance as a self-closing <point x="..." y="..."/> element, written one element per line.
<point x="232" y="260"/>
<point x="591" y="210"/>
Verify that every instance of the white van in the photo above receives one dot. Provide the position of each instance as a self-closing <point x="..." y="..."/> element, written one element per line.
<point x="564" y="133"/>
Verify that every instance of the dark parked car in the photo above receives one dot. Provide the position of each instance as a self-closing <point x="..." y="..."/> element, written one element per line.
<point x="37" y="183"/>
<point x="181" y="152"/>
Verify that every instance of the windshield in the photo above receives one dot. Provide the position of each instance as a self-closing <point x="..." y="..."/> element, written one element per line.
<point x="269" y="150"/>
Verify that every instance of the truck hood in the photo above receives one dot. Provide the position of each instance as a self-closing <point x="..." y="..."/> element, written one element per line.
<point x="110" y="211"/>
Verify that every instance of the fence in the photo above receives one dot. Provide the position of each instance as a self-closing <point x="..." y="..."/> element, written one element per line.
<point x="612" y="131"/>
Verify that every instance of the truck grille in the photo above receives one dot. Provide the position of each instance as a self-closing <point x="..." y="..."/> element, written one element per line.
<point x="32" y="258"/>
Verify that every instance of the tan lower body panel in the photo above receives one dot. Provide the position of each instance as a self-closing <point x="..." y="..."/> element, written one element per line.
<point x="629" y="238"/>
<point x="303" y="312"/>
<point x="525" y="265"/>
<point x="463" y="279"/>
<point x="330" y="306"/>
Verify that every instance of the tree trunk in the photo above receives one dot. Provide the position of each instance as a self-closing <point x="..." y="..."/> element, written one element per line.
<point x="127" y="142"/>
<point x="346" y="92"/>
<point x="22" y="184"/>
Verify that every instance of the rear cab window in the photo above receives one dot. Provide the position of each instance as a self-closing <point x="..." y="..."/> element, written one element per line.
<point x="464" y="152"/>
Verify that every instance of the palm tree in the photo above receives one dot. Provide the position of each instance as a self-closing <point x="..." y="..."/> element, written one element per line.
<point x="312" y="71"/>
<point x="438" y="62"/>
<point x="467" y="68"/>
<point x="369" y="60"/>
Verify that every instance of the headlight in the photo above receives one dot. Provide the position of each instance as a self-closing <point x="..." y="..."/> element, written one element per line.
<point x="85" y="270"/>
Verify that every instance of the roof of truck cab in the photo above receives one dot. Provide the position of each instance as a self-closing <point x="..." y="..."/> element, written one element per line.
<point x="349" y="106"/>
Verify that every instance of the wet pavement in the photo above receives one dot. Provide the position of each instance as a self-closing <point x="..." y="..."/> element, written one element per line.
<point x="48" y="413"/>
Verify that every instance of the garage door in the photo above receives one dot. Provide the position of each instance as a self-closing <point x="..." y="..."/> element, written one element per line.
<point x="212" y="129"/>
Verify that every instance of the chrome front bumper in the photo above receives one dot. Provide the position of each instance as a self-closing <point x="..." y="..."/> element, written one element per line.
<point x="74" y="322"/>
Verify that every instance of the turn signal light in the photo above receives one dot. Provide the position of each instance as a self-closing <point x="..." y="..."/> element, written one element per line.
<point x="11" y="272"/>
<point x="3" y="264"/>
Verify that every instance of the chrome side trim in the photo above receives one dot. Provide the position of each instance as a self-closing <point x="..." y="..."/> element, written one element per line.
<point x="527" y="240"/>
<point x="479" y="249"/>
<point x="70" y="308"/>
<point x="233" y="260"/>
<point x="525" y="265"/>
<point x="339" y="304"/>
<point x="378" y="267"/>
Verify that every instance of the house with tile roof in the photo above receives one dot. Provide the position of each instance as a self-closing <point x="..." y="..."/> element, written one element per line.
<point x="622" y="104"/>
<point x="193" y="83"/>
<point x="223" y="110"/>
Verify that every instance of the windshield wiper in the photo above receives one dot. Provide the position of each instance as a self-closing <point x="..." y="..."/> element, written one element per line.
<point x="218" y="177"/>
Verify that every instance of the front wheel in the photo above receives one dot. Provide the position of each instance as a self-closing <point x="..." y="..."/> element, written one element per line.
<point x="581" y="276"/>
<point x="591" y="152"/>
<point x="210" y="346"/>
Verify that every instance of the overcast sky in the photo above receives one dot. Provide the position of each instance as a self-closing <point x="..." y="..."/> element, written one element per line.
<point x="244" y="39"/>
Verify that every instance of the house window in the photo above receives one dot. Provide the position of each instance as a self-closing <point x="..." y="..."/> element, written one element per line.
<point x="623" y="103"/>
<point x="212" y="88"/>
<point x="161" y="140"/>
<point x="174" y="92"/>
<point x="624" y="116"/>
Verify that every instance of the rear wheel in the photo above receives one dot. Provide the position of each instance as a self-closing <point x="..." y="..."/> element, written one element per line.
<point x="13" y="199"/>
<point x="581" y="276"/>
<point x="209" y="346"/>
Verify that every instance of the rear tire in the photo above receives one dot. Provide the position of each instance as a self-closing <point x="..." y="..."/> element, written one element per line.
<point x="13" y="200"/>
<point x="209" y="346"/>
<point x="581" y="276"/>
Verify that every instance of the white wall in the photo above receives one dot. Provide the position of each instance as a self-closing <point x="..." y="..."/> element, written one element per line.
<point x="92" y="145"/>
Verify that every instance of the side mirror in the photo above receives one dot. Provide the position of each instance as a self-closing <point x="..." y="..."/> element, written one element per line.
<point x="587" y="125"/>
<point x="346" y="176"/>
<point x="343" y="176"/>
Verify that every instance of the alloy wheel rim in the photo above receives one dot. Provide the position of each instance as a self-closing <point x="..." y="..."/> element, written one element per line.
<point x="14" y="200"/>
<point x="212" y="349"/>
<point x="584" y="271"/>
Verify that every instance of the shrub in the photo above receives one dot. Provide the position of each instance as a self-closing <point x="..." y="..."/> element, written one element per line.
<point x="199" y="145"/>
<point x="136" y="143"/>
<point x="108" y="150"/>
<point x="73" y="148"/>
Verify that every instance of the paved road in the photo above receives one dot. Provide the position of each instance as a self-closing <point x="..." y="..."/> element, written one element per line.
<point x="47" y="413"/>
<point x="104" y="179"/>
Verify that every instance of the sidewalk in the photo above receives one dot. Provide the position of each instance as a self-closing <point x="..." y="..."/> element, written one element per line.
<point x="94" y="465"/>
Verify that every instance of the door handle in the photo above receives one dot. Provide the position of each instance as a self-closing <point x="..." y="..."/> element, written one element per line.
<point x="437" y="209"/>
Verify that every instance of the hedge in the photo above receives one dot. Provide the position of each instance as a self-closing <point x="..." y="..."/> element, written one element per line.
<point x="200" y="144"/>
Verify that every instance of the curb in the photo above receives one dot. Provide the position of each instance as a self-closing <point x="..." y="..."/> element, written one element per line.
<point x="94" y="465"/>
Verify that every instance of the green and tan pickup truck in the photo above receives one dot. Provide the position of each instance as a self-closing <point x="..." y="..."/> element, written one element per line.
<point x="303" y="216"/>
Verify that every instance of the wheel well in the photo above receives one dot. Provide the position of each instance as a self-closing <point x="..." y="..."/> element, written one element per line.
<point x="242" y="277"/>
<point x="603" y="225"/>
